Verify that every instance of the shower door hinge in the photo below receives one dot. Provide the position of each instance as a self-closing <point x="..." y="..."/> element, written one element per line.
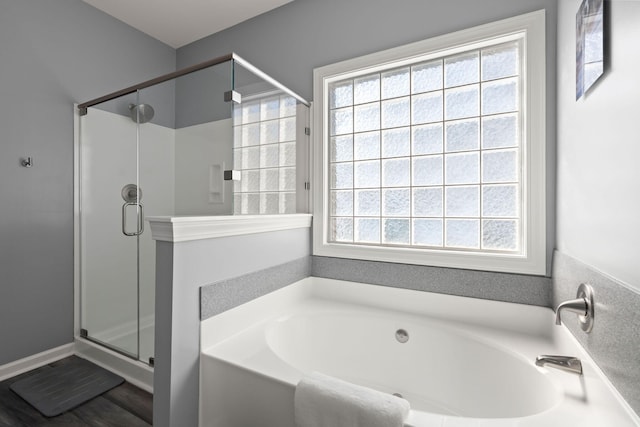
<point x="152" y="361"/>
<point x="307" y="131"/>
<point x="84" y="333"/>
<point x="232" y="175"/>
<point x="233" y="96"/>
<point x="307" y="185"/>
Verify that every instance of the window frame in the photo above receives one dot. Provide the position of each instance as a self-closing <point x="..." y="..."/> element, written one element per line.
<point x="530" y="28"/>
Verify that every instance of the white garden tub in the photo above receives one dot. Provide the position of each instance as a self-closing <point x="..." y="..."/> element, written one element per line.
<point x="467" y="362"/>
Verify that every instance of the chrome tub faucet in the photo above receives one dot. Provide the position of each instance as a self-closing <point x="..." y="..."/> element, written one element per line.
<point x="564" y="363"/>
<point x="583" y="306"/>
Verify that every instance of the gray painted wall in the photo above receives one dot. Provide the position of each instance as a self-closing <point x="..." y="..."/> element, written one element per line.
<point x="289" y="42"/>
<point x="182" y="269"/>
<point x="52" y="54"/>
<point x="200" y="95"/>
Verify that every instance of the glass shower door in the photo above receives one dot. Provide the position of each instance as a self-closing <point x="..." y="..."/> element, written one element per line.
<point x="156" y="157"/>
<point x="111" y="221"/>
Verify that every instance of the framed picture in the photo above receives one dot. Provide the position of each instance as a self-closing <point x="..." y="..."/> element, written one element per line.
<point x="589" y="45"/>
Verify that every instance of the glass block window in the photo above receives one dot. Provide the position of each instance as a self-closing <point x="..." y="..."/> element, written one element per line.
<point x="434" y="153"/>
<point x="265" y="153"/>
<point x="429" y="154"/>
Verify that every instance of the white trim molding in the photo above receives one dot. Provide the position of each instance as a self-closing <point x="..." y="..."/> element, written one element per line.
<point x="35" y="361"/>
<point x="529" y="30"/>
<point x="183" y="229"/>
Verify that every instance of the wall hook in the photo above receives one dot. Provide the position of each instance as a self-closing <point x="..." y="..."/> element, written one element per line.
<point x="27" y="163"/>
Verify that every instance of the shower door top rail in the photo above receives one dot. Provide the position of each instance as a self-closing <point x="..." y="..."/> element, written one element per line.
<point x="82" y="108"/>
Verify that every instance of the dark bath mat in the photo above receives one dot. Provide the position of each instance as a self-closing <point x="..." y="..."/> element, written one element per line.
<point x="63" y="387"/>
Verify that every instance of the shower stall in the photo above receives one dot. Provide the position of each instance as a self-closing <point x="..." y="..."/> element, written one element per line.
<point x="217" y="138"/>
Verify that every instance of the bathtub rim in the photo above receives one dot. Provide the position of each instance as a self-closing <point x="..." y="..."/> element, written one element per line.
<point x="507" y="316"/>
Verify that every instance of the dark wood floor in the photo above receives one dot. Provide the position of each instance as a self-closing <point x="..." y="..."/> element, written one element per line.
<point x="125" y="405"/>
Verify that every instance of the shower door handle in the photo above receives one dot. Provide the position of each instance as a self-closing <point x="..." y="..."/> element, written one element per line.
<point x="140" y="216"/>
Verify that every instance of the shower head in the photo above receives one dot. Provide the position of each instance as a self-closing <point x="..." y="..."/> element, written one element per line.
<point x="141" y="113"/>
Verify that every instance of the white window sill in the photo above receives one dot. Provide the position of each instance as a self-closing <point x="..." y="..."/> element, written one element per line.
<point x="187" y="228"/>
<point x="505" y="263"/>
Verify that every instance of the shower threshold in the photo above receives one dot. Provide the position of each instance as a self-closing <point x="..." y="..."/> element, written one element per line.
<point x="134" y="371"/>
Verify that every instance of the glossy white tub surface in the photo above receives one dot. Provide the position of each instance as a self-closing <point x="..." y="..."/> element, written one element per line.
<point x="468" y="362"/>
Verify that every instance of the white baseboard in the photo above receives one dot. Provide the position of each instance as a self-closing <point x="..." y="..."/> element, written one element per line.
<point x="137" y="373"/>
<point x="35" y="361"/>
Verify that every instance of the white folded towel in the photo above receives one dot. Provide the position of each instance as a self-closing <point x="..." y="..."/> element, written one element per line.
<point x="323" y="401"/>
